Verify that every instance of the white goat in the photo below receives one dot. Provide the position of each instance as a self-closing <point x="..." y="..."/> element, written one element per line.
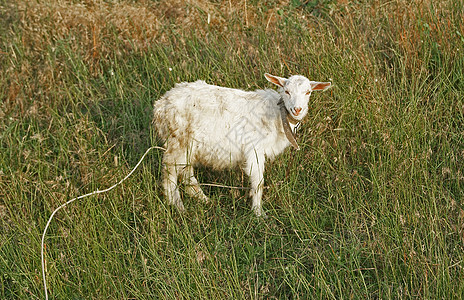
<point x="222" y="127"/>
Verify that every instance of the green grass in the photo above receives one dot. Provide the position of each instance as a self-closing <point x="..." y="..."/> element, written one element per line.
<point x="370" y="207"/>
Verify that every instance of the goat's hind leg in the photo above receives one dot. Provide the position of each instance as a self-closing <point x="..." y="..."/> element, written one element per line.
<point x="171" y="189"/>
<point x="172" y="169"/>
<point x="192" y="187"/>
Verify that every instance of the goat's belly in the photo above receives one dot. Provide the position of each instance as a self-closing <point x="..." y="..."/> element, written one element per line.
<point x="227" y="142"/>
<point x="217" y="153"/>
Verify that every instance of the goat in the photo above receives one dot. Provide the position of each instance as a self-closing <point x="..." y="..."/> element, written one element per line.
<point x="221" y="127"/>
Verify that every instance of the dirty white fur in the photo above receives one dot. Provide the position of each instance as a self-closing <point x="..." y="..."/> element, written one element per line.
<point x="223" y="127"/>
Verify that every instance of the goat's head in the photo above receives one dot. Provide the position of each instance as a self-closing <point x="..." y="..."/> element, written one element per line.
<point x="295" y="92"/>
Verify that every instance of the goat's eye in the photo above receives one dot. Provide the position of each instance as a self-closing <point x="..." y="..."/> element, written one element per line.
<point x="287" y="92"/>
<point x="308" y="92"/>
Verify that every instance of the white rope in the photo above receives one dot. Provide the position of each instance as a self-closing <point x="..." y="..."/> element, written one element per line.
<point x="77" y="198"/>
<point x="42" y="253"/>
<point x="225" y="186"/>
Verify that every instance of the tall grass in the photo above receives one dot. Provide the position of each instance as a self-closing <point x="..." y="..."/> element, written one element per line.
<point x="370" y="207"/>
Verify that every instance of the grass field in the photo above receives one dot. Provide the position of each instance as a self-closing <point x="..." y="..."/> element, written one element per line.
<point x="371" y="207"/>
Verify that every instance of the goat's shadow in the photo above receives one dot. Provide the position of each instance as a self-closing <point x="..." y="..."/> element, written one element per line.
<point x="224" y="184"/>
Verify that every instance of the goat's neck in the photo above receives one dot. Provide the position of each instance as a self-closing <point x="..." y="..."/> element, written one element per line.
<point x="289" y="124"/>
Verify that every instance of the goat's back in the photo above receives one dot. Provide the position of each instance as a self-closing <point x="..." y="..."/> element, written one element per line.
<point x="214" y="121"/>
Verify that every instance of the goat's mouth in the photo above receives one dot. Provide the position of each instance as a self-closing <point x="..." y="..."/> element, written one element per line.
<point x="297" y="114"/>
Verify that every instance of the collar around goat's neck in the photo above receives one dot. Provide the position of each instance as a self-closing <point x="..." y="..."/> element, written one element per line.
<point x="286" y="119"/>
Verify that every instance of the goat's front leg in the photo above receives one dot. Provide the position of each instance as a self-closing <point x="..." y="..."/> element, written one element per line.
<point x="255" y="170"/>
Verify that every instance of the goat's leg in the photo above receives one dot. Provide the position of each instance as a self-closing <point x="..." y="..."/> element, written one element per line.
<point x="173" y="165"/>
<point x="255" y="169"/>
<point x="192" y="186"/>
<point x="171" y="189"/>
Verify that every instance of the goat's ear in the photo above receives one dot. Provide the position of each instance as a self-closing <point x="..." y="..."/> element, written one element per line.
<point x="275" y="79"/>
<point x="320" y="86"/>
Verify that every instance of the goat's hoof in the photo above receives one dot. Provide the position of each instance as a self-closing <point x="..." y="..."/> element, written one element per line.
<point x="202" y="197"/>
<point x="205" y="199"/>
<point x="259" y="212"/>
<point x="179" y="205"/>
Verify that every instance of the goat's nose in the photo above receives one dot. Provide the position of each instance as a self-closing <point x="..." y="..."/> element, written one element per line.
<point x="297" y="110"/>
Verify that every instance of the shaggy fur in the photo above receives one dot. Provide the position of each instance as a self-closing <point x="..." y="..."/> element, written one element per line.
<point x="223" y="127"/>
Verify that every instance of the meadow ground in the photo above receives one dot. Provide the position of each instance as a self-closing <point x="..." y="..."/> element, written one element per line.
<point x="370" y="207"/>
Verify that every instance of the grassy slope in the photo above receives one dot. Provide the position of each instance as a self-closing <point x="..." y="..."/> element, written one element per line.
<point x="369" y="208"/>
